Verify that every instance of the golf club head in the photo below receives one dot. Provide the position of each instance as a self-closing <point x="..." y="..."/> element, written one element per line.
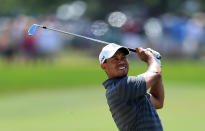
<point x="32" y="29"/>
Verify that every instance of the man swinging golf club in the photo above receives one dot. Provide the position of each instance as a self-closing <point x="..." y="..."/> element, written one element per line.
<point x="132" y="108"/>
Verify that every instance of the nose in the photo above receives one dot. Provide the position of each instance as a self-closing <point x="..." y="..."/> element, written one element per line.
<point x="122" y="62"/>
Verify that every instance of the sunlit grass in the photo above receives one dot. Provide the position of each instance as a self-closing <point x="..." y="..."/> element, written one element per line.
<point x="78" y="69"/>
<point x="84" y="108"/>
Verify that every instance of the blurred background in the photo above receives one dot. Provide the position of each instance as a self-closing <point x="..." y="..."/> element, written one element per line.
<point x="50" y="81"/>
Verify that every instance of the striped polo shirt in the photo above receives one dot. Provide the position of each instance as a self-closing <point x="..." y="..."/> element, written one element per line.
<point x="130" y="105"/>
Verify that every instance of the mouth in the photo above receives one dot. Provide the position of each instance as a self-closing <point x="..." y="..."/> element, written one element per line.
<point x="123" y="68"/>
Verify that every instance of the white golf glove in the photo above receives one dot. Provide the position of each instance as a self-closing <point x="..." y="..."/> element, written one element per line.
<point x="156" y="54"/>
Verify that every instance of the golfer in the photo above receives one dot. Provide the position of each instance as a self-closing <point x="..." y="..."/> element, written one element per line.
<point x="132" y="108"/>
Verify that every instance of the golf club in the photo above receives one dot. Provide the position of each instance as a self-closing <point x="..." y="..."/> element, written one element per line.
<point x="34" y="27"/>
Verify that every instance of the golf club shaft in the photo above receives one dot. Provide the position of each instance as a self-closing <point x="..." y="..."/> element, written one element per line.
<point x="73" y="34"/>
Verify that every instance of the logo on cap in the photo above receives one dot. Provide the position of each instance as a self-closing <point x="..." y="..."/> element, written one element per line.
<point x="102" y="59"/>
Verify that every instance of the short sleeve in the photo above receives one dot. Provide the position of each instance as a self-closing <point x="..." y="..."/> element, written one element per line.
<point x="133" y="86"/>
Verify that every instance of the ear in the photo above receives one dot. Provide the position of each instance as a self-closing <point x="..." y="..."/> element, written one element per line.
<point x="103" y="66"/>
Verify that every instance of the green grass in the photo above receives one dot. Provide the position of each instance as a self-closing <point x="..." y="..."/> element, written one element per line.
<point x="82" y="70"/>
<point x="85" y="109"/>
<point x="68" y="95"/>
<point x="184" y="109"/>
<point x="64" y="109"/>
<point x="66" y="72"/>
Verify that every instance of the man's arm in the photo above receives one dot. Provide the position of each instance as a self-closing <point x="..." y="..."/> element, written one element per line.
<point x="152" y="77"/>
<point x="157" y="94"/>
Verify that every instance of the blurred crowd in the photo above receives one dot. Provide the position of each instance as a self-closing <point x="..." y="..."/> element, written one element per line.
<point x="173" y="35"/>
<point x="16" y="43"/>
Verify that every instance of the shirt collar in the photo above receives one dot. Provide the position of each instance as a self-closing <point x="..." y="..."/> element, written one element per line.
<point x="110" y="81"/>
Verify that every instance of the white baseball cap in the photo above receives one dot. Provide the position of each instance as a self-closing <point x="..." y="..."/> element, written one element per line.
<point x="109" y="50"/>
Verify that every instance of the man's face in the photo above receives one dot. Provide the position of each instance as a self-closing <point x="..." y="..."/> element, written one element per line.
<point x="116" y="66"/>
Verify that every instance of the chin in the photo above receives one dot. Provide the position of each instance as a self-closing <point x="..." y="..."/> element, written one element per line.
<point x="123" y="74"/>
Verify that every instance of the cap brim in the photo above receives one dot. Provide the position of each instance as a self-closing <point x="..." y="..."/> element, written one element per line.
<point x="125" y="50"/>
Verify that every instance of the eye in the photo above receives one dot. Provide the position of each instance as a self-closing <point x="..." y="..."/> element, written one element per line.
<point x="114" y="59"/>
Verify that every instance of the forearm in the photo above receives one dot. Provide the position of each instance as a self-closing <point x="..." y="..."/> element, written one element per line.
<point x="153" y="73"/>
<point x="157" y="94"/>
<point x="153" y="66"/>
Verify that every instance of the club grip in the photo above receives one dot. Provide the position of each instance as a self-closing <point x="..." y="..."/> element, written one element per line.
<point x="156" y="54"/>
<point x="133" y="50"/>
